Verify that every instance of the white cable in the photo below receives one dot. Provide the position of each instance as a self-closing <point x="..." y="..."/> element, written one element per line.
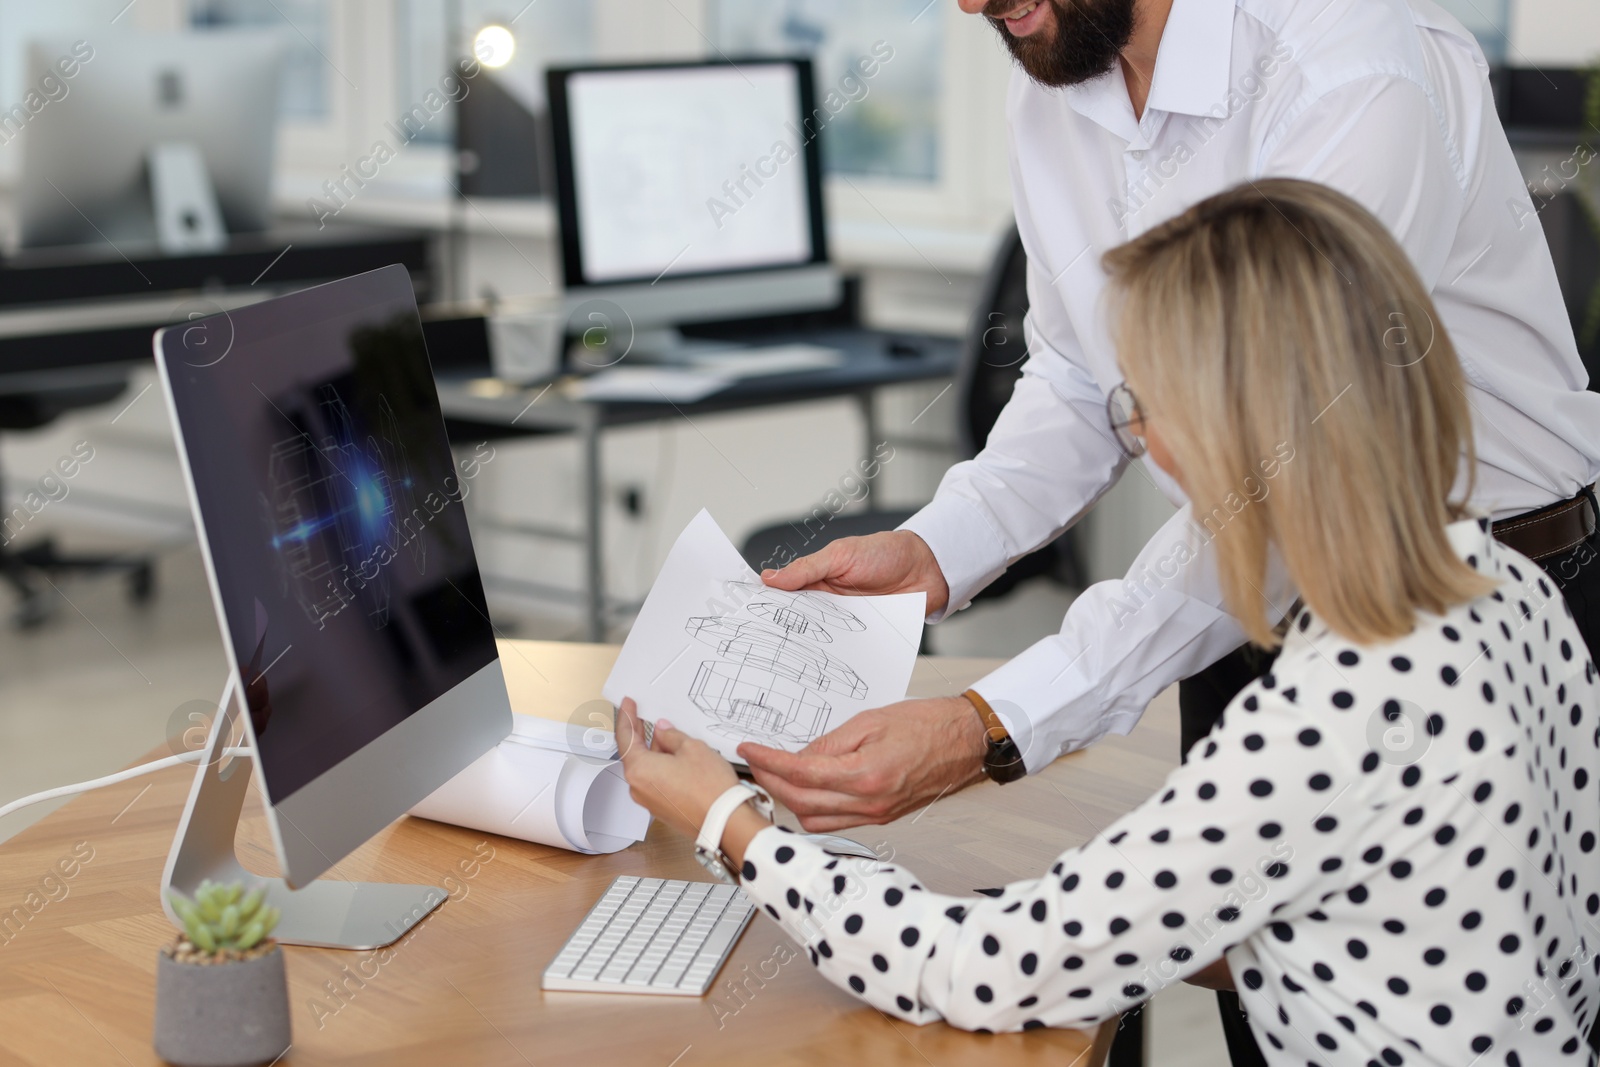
<point x="113" y="779"/>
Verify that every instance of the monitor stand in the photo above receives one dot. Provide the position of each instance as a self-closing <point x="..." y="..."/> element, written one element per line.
<point x="187" y="217"/>
<point x="328" y="913"/>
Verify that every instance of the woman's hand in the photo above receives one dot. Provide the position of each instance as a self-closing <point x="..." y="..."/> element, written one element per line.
<point x="678" y="779"/>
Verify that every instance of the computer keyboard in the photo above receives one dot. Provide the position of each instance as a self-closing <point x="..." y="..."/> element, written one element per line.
<point x="767" y="360"/>
<point x="652" y="935"/>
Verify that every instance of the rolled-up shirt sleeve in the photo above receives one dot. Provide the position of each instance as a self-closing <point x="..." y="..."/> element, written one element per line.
<point x="1231" y="843"/>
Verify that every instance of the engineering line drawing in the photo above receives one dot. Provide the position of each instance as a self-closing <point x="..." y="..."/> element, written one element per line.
<point x="770" y="681"/>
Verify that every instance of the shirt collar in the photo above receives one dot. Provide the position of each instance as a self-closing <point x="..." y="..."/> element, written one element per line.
<point x="1191" y="75"/>
<point x="1193" y="61"/>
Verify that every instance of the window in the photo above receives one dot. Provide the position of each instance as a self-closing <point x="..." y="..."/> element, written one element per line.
<point x="22" y="23"/>
<point x="544" y="34"/>
<point x="1489" y="21"/>
<point x="305" y="25"/>
<point x="886" y="125"/>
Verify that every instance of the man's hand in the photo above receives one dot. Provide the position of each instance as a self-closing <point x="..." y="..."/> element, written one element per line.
<point x="895" y="562"/>
<point x="880" y="765"/>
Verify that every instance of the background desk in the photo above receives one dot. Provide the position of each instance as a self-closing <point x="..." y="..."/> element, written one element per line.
<point x="478" y="409"/>
<point x="82" y="308"/>
<point x="77" y="982"/>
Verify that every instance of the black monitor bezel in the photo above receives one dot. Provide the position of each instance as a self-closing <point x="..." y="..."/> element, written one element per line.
<point x="566" y="204"/>
<point x="261" y="322"/>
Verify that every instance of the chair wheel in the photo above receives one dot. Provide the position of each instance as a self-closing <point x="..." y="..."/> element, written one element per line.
<point x="142" y="584"/>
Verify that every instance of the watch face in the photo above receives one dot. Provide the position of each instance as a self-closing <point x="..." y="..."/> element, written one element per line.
<point x="1003" y="763"/>
<point x="713" y="863"/>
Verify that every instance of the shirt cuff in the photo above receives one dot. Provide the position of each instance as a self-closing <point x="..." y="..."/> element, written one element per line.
<point x="969" y="551"/>
<point x="1040" y="697"/>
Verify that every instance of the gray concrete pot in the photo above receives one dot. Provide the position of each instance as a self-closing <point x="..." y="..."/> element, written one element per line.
<point x="222" y="1014"/>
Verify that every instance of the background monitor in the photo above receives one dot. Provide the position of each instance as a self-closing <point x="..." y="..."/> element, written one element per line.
<point x="691" y="191"/>
<point x="1543" y="105"/>
<point x="86" y="156"/>
<point x="331" y="524"/>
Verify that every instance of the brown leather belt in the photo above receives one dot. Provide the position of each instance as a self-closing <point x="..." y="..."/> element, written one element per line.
<point x="1550" y="531"/>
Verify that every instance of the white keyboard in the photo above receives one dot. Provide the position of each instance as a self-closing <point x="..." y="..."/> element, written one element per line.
<point x="652" y="935"/>
<point x="767" y="360"/>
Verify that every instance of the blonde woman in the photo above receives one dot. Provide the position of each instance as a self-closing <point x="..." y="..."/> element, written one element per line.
<point x="1434" y="903"/>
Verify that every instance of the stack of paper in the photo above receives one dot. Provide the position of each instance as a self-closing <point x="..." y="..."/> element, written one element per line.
<point x="543" y="785"/>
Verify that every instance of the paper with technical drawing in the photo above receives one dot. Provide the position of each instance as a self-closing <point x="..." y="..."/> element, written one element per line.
<point x="728" y="660"/>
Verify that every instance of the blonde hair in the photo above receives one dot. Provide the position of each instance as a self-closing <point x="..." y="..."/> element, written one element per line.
<point x="1282" y="315"/>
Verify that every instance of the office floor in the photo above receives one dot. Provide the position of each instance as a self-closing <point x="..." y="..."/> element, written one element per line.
<point x="106" y="681"/>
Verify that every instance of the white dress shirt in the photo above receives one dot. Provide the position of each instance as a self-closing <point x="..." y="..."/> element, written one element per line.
<point x="1412" y="890"/>
<point x="1385" y="100"/>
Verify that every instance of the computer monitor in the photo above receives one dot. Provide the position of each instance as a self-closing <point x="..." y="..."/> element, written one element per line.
<point x="329" y="509"/>
<point x="691" y="191"/>
<point x="176" y="126"/>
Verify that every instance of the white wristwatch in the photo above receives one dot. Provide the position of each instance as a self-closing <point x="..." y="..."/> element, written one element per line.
<point x="708" y="846"/>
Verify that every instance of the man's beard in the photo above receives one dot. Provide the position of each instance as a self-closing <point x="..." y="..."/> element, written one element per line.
<point x="1088" y="39"/>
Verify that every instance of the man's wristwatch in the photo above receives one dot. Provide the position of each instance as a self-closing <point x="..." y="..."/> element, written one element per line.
<point x="708" y="846"/>
<point x="1002" y="761"/>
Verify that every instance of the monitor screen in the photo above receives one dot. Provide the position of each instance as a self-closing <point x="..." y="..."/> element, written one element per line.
<point x="332" y="514"/>
<point x="686" y="169"/>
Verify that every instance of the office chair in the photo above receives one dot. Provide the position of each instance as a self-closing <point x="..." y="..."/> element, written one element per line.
<point x="1572" y="228"/>
<point x="25" y="568"/>
<point x="991" y="363"/>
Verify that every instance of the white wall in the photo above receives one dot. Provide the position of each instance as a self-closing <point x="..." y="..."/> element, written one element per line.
<point x="1555" y="32"/>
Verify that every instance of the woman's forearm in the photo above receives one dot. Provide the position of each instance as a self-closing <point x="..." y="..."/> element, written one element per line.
<point x="744" y="824"/>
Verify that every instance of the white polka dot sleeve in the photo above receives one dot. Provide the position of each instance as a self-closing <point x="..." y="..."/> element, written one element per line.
<point x="1240" y="832"/>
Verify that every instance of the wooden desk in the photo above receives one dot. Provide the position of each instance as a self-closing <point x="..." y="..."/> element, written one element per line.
<point x="77" y="978"/>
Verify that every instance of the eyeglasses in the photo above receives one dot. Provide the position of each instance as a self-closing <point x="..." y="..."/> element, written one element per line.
<point x="1127" y="420"/>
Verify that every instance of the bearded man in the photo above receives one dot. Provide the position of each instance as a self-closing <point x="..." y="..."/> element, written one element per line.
<point x="1121" y="115"/>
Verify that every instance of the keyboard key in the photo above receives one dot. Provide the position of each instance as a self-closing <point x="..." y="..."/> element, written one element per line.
<point x="652" y="935"/>
<point x="594" y="924"/>
<point x="644" y="930"/>
<point x="710" y="956"/>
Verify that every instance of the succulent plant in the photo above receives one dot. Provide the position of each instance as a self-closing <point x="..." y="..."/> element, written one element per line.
<point x="223" y="918"/>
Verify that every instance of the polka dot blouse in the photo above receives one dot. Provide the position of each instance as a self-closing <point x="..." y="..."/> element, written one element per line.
<point x="1393" y="845"/>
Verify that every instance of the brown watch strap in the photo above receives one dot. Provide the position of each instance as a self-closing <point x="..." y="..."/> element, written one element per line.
<point x="991" y="722"/>
<point x="1002" y="761"/>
